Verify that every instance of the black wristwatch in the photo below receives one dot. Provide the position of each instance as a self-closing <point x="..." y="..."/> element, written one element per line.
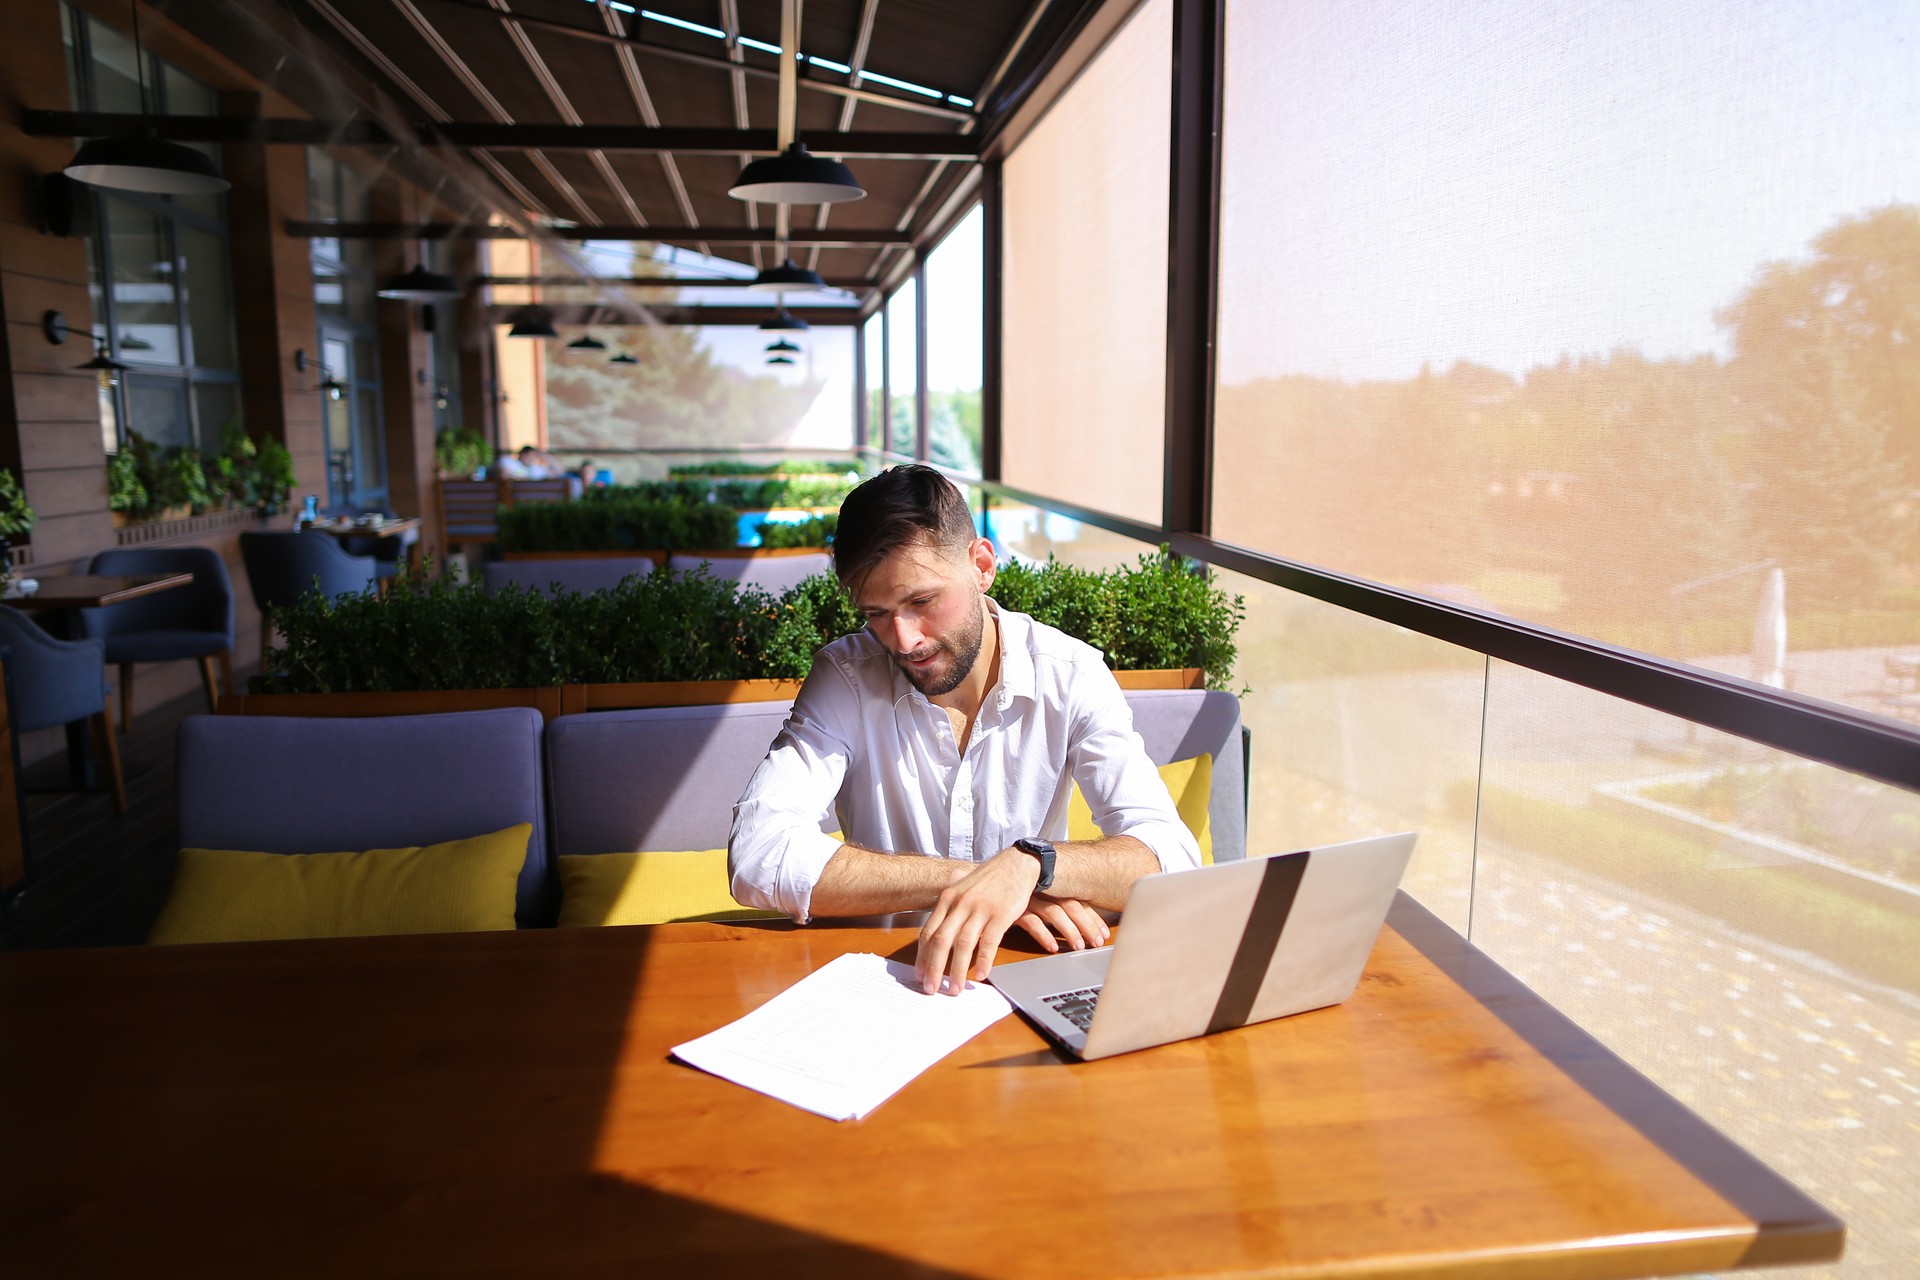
<point x="1043" y="850"/>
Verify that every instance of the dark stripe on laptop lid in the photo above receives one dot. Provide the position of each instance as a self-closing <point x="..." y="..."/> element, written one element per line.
<point x="1279" y="882"/>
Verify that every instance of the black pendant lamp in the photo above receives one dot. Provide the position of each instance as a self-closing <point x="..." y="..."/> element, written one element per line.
<point x="142" y="161"/>
<point x="782" y="348"/>
<point x="623" y="358"/>
<point x="586" y="342"/>
<point x="784" y="323"/>
<point x="101" y="360"/>
<point x="533" y="322"/>
<point x="417" y="284"/>
<point x="788" y="275"/>
<point x="779" y="359"/>
<point x="796" y="176"/>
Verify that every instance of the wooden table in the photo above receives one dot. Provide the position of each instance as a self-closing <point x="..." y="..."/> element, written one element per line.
<point x="504" y="1104"/>
<point x="93" y="591"/>
<point x="393" y="527"/>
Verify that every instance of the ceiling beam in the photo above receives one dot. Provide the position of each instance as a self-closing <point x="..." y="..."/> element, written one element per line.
<point x="868" y="144"/>
<point x="835" y="238"/>
<point x="808" y="78"/>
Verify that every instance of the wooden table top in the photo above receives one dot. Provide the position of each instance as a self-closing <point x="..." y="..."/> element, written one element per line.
<point x="504" y="1103"/>
<point x="393" y="526"/>
<point x="93" y="591"/>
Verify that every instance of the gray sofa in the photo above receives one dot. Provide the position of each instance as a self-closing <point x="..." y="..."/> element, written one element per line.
<point x="599" y="782"/>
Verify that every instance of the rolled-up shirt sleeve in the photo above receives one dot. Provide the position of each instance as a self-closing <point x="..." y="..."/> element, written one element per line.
<point x="777" y="852"/>
<point x="1122" y="787"/>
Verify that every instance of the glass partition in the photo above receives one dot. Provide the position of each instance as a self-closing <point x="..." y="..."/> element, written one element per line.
<point x="1738" y="924"/>
<point x="956" y="330"/>
<point x="903" y="369"/>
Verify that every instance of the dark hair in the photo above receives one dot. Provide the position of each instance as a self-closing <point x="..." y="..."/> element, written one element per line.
<point x="900" y="507"/>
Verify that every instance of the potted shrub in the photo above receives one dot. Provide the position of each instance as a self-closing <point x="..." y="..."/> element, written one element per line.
<point x="127" y="496"/>
<point x="681" y="639"/>
<point x="461" y="454"/>
<point x="16" y="520"/>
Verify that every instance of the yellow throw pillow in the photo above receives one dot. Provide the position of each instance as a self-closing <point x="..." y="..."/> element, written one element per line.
<point x="1189" y="782"/>
<point x="227" y="895"/>
<point x="648" y="888"/>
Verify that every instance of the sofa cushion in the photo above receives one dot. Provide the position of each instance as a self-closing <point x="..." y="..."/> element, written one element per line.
<point x="1189" y="782"/>
<point x="286" y="784"/>
<point x="457" y="886"/>
<point x="648" y="888"/>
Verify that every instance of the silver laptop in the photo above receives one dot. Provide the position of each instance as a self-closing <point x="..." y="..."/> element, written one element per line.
<point x="1218" y="947"/>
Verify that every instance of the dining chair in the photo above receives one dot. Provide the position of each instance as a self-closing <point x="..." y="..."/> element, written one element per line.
<point x="191" y="622"/>
<point x="57" y="682"/>
<point x="283" y="565"/>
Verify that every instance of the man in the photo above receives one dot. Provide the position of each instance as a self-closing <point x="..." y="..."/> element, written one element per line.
<point x="950" y="731"/>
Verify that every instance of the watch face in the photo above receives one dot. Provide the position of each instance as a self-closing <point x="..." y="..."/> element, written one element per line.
<point x="1033" y="844"/>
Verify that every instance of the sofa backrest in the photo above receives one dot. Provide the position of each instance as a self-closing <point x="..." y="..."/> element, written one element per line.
<point x="668" y="777"/>
<point x="774" y="574"/>
<point x="586" y="573"/>
<point x="286" y="784"/>
<point x="1176" y="724"/>
<point x="658" y="778"/>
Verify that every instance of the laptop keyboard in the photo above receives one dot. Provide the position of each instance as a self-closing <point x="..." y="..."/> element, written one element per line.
<point x="1075" y="1006"/>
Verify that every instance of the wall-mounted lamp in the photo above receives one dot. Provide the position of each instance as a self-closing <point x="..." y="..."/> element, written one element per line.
<point x="299" y="360"/>
<point x="54" y="325"/>
<point x="440" y="396"/>
<point x="103" y="364"/>
<point x="331" y="384"/>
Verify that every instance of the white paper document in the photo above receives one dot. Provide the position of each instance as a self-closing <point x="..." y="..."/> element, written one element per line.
<point x="846" y="1037"/>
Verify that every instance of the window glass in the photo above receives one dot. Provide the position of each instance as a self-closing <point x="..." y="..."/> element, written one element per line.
<point x="1083" y="326"/>
<point x="158" y="409"/>
<point x="145" y="308"/>
<point x="902" y="368"/>
<point x="209" y="297"/>
<point x="1601" y="323"/>
<point x="956" y="332"/>
<point x="115" y="81"/>
<point x="216" y="404"/>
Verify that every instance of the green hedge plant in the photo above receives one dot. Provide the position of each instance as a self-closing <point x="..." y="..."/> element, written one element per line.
<point x="815" y="531"/>
<point x="1159" y="613"/>
<point x="617" y="520"/>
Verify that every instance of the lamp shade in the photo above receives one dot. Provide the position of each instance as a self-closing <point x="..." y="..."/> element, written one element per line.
<point x="779" y="359"/>
<point x="586" y="342"/>
<point x="623" y="358"/>
<point x="417" y="284"/>
<point x="142" y="162"/>
<point x="533" y="322"/>
<point x="788" y="275"/>
<point x="101" y="360"/>
<point x="782" y="348"/>
<point x="784" y="323"/>
<point x="796" y="176"/>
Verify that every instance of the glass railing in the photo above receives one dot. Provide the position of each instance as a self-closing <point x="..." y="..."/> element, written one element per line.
<point x="1738" y="923"/>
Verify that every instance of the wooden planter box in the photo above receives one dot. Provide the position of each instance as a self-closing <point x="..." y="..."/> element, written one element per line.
<point x="567" y="699"/>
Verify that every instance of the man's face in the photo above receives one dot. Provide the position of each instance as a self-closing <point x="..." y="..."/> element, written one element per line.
<point x="923" y="604"/>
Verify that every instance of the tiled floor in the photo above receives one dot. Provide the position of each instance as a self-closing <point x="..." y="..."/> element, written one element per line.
<point x="95" y="877"/>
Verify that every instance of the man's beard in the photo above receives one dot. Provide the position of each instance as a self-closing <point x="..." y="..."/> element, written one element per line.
<point x="964" y="650"/>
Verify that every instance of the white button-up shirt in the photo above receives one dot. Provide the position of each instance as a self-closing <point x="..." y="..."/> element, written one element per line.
<point x="860" y="732"/>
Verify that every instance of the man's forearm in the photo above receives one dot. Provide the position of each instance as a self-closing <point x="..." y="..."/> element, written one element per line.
<point x="1101" y="872"/>
<point x="860" y="882"/>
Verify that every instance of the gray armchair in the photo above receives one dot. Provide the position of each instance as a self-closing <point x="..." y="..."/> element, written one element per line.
<point x="57" y="682"/>
<point x="282" y="566"/>
<point x="192" y="622"/>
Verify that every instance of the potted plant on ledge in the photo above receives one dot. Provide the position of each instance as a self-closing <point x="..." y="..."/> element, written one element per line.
<point x="16" y="519"/>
